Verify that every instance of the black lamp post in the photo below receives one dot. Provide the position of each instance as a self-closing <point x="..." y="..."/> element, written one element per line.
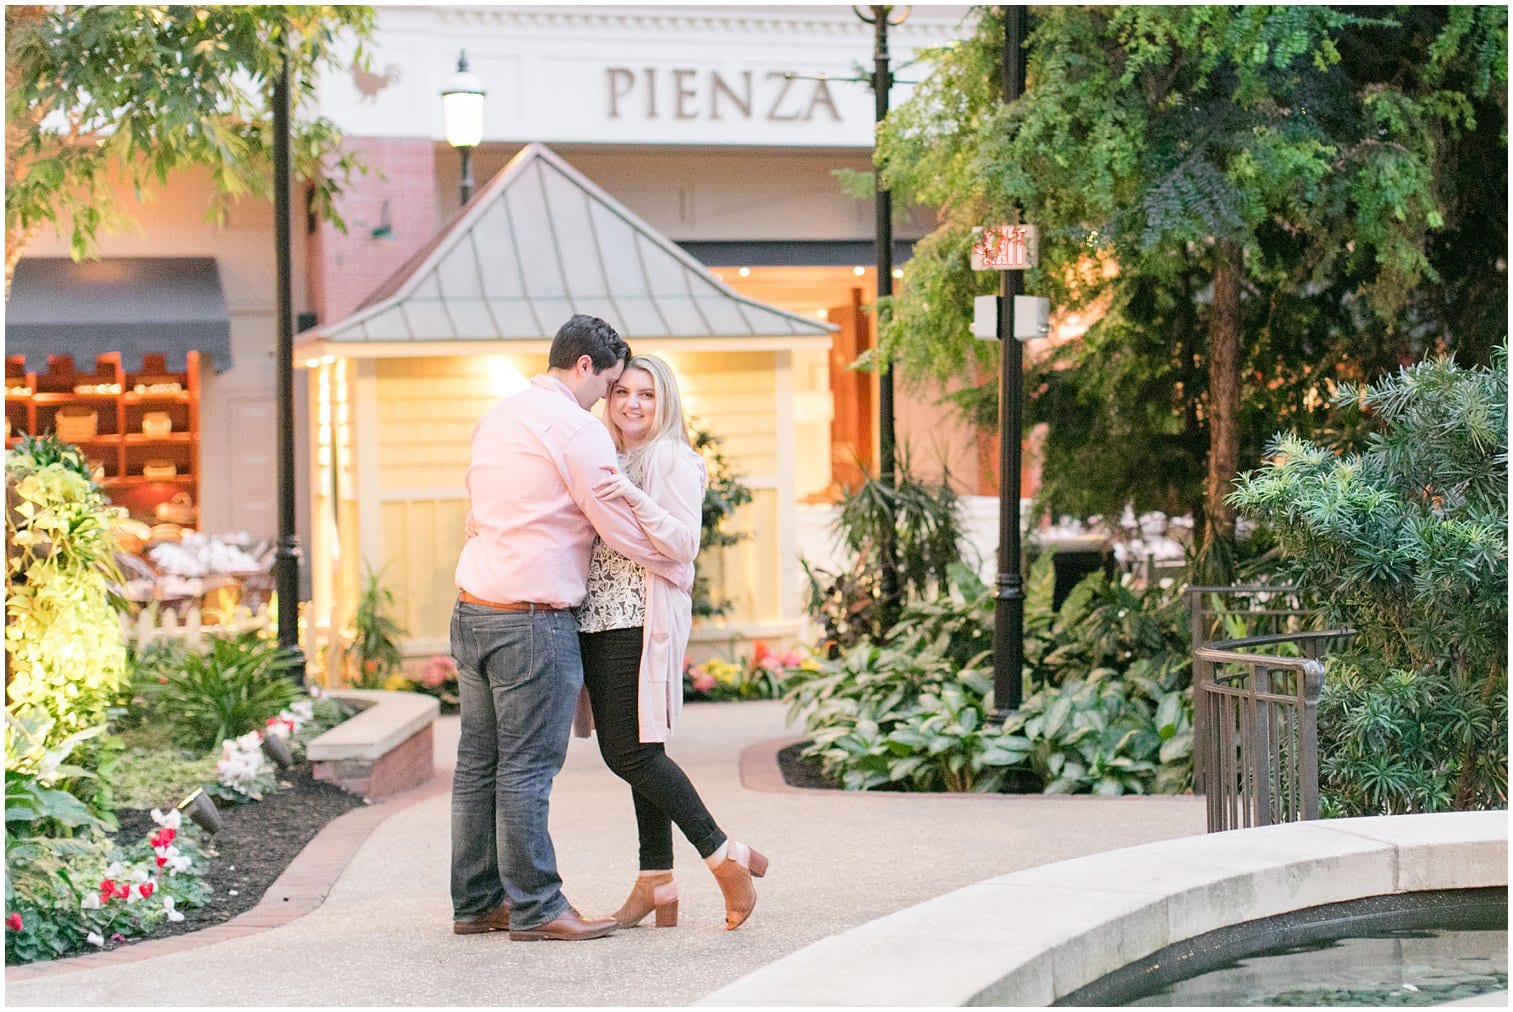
<point x="286" y="558"/>
<point x="462" y="106"/>
<point x="1008" y="609"/>
<point x="880" y="17"/>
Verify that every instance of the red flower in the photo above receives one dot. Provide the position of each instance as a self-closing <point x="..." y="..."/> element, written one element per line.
<point x="107" y="889"/>
<point x="13" y="921"/>
<point x="123" y="889"/>
<point x="146" y="889"/>
<point x="162" y="860"/>
<point x="163" y="837"/>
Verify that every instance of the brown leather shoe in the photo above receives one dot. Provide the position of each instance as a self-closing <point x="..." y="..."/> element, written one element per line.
<point x="497" y="919"/>
<point x="570" y="927"/>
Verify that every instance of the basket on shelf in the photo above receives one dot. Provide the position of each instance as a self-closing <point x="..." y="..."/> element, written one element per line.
<point x="178" y="510"/>
<point x="159" y="469"/>
<point x="76" y="423"/>
<point x="156" y="424"/>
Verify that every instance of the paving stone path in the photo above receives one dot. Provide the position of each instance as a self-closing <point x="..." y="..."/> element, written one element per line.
<point x="381" y="934"/>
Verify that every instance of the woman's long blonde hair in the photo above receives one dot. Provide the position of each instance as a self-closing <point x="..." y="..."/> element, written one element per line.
<point x="667" y="420"/>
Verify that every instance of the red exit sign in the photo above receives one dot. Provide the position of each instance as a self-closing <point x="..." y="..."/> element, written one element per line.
<point x="1006" y="248"/>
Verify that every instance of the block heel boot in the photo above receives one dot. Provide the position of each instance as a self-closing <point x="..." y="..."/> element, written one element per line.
<point x="651" y="894"/>
<point x="734" y="874"/>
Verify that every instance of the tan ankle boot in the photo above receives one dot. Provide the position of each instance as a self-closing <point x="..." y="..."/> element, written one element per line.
<point x="651" y="893"/>
<point x="734" y="874"/>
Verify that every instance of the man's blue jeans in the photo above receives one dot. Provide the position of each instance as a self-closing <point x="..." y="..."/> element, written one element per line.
<point x="518" y="675"/>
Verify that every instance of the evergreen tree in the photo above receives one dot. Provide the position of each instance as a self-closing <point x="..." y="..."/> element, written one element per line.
<point x="1262" y="202"/>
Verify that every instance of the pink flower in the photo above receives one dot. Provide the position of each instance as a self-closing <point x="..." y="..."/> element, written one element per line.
<point x="13" y="921"/>
<point x="438" y="671"/>
<point x="703" y="681"/>
<point x="790" y="659"/>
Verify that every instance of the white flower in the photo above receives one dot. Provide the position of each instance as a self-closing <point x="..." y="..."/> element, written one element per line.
<point x="173" y="915"/>
<point x="140" y="875"/>
<point x="91" y="902"/>
<point x="116" y="870"/>
<point x="250" y="741"/>
<point x="178" y="863"/>
<point x="95" y="938"/>
<point x="174" y="819"/>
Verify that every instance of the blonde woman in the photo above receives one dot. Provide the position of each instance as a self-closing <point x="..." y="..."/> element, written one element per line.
<point x="633" y="629"/>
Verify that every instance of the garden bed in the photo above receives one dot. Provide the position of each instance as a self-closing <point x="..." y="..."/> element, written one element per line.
<point x="256" y="843"/>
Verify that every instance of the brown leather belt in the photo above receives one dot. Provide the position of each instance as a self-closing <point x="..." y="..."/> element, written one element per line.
<point x="467" y="598"/>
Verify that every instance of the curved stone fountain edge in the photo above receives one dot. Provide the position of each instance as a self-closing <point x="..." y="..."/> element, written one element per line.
<point x="1033" y="936"/>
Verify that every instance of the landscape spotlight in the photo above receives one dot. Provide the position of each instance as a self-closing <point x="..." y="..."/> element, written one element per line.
<point x="276" y="749"/>
<point x="201" y="810"/>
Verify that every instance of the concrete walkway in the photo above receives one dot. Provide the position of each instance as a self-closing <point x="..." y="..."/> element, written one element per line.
<point x="383" y="936"/>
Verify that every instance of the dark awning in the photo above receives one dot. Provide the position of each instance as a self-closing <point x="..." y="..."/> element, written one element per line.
<point x="133" y="305"/>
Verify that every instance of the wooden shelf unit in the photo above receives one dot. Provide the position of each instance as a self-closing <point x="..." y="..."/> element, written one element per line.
<point x="119" y="445"/>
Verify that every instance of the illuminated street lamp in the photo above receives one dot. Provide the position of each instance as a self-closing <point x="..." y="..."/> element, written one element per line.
<point x="462" y="107"/>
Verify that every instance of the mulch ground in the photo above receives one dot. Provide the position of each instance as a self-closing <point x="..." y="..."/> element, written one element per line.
<point x="257" y="841"/>
<point x="800" y="772"/>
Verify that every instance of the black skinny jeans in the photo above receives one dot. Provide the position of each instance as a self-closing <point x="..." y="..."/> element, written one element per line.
<point x="659" y="788"/>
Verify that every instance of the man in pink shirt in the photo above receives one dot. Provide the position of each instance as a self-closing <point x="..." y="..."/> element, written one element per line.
<point x="531" y="524"/>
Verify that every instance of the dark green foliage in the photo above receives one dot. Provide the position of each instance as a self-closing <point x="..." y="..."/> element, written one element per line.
<point x="1357" y="158"/>
<point x="926" y="521"/>
<point x="1109" y="710"/>
<point x="724" y="495"/>
<point x="223" y="693"/>
<point x="1405" y="541"/>
<point x="373" y="652"/>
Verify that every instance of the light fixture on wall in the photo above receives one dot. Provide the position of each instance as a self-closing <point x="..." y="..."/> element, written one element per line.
<point x="462" y="107"/>
<point x="385" y="227"/>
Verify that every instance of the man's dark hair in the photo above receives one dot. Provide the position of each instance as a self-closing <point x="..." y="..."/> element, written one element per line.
<point x="591" y="336"/>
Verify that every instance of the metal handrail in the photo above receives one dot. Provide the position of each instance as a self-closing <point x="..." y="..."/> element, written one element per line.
<point x="1260" y="747"/>
<point x="1255" y="726"/>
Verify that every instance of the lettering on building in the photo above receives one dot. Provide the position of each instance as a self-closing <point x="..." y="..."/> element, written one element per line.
<point x="688" y="94"/>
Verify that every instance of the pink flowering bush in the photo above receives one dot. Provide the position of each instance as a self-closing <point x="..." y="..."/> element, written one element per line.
<point x="437" y="678"/>
<point x="759" y="676"/>
<point x="66" y="895"/>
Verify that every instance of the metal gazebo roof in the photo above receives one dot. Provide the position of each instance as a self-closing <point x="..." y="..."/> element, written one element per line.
<point x="539" y="243"/>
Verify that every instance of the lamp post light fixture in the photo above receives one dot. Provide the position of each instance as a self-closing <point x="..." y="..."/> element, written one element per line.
<point x="462" y="107"/>
<point x="880" y="17"/>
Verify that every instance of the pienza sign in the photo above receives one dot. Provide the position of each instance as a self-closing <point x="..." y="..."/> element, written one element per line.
<point x="773" y="96"/>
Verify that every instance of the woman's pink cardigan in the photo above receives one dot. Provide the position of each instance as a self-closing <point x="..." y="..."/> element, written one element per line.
<point x="670" y="512"/>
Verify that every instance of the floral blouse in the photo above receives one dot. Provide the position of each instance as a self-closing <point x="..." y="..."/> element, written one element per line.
<point x="616" y="592"/>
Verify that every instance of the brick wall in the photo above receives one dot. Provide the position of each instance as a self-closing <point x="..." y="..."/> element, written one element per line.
<point x="344" y="269"/>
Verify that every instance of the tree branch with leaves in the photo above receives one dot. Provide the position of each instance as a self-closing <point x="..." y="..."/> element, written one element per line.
<point x="97" y="96"/>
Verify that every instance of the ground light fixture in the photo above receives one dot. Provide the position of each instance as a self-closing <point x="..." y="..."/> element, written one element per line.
<point x="277" y="750"/>
<point x="462" y="108"/>
<point x="201" y="811"/>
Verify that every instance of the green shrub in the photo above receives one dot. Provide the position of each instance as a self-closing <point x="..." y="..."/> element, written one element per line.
<point x="925" y="522"/>
<point x="1109" y="708"/>
<point x="1108" y="735"/>
<point x="372" y="653"/>
<point x="723" y="496"/>
<point x="65" y="655"/>
<point x="73" y="895"/>
<point x="154" y="777"/>
<point x="224" y="692"/>
<point x="1405" y="541"/>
